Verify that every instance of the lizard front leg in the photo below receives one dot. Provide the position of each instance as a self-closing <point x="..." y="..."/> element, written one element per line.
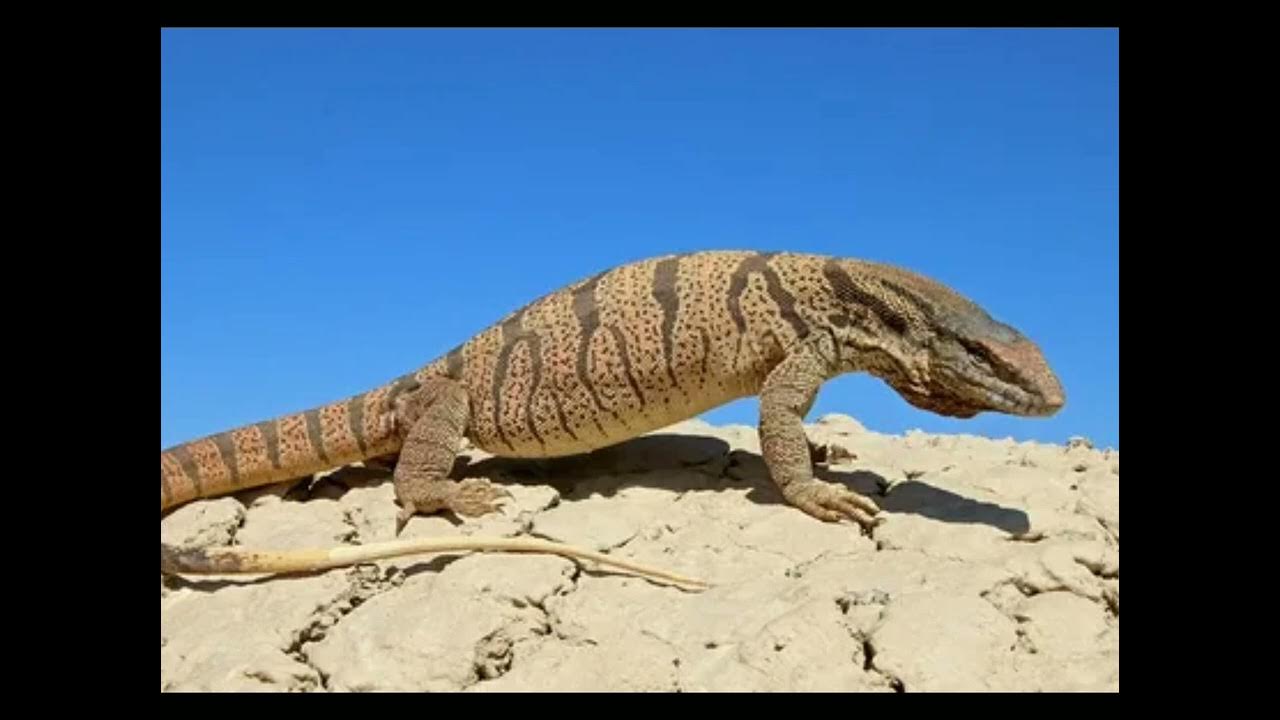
<point x="434" y="419"/>
<point x="787" y="395"/>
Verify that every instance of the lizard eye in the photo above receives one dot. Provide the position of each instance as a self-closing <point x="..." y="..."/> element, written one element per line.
<point x="978" y="353"/>
<point x="982" y="356"/>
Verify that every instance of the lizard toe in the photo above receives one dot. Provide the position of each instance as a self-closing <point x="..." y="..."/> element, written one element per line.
<point x="476" y="497"/>
<point x="407" y="511"/>
<point x="832" y="503"/>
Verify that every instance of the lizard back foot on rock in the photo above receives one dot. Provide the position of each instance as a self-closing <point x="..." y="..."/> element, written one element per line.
<point x="472" y="497"/>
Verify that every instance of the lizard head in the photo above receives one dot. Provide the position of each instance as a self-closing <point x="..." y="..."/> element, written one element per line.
<point x="978" y="364"/>
<point x="970" y="374"/>
<point x="956" y="360"/>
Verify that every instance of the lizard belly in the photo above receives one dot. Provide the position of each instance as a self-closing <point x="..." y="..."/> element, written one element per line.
<point x="626" y="352"/>
<point x="581" y="433"/>
<point x="567" y="406"/>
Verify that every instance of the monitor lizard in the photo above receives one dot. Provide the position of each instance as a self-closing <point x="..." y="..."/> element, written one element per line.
<point x="632" y="349"/>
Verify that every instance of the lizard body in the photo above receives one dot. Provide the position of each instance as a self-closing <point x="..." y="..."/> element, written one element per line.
<point x="637" y="348"/>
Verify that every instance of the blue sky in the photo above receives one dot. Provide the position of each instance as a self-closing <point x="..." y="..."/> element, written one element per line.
<point x="338" y="207"/>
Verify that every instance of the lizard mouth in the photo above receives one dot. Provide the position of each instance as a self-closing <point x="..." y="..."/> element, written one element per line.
<point x="946" y="405"/>
<point x="1022" y="384"/>
<point x="954" y="395"/>
<point x="1016" y="401"/>
<point x="1004" y="389"/>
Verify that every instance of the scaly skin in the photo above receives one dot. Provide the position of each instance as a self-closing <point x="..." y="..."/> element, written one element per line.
<point x="637" y="348"/>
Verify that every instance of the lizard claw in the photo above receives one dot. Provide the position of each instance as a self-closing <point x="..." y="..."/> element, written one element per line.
<point x="472" y="497"/>
<point x="832" y="502"/>
<point x="407" y="511"/>
<point x="477" y="496"/>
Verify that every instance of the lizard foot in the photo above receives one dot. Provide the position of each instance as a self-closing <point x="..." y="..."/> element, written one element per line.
<point x="471" y="497"/>
<point x="476" y="497"/>
<point x="832" y="502"/>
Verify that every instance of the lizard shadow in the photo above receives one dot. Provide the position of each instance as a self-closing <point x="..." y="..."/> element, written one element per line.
<point x="677" y="463"/>
<point x="909" y="497"/>
<point x="936" y="503"/>
<point x="697" y="463"/>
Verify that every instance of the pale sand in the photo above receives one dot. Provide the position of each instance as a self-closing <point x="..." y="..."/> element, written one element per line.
<point x="997" y="567"/>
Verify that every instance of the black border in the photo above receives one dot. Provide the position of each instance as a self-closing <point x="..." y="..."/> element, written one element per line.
<point x="110" y="483"/>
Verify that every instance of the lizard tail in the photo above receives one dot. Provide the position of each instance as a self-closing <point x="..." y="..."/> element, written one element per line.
<point x="284" y="448"/>
<point x="232" y="560"/>
<point x="296" y="445"/>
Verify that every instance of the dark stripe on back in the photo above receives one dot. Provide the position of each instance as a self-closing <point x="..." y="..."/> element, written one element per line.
<point x="316" y="437"/>
<point x="355" y="418"/>
<point x="509" y="334"/>
<point x="272" y="439"/>
<point x="564" y="421"/>
<point x="664" y="291"/>
<point x="402" y="384"/>
<point x="706" y="350"/>
<point x="182" y="454"/>
<point x="584" y="308"/>
<point x="535" y="379"/>
<point x="785" y="301"/>
<point x="227" y="449"/>
<point x="626" y="363"/>
<point x="846" y="290"/>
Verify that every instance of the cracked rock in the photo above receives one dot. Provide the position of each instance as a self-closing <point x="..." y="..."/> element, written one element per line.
<point x="996" y="567"/>
<point x="943" y="643"/>
<point x="238" y="635"/>
<point x="467" y="624"/>
<point x="210" y="523"/>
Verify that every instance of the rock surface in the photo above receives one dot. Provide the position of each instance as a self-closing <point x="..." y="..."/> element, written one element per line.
<point x="997" y="567"/>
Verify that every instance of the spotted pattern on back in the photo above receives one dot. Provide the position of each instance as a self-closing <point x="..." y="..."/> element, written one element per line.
<point x="634" y="349"/>
<point x="620" y="353"/>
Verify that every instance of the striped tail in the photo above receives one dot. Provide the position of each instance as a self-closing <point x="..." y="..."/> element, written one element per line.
<point x="287" y="447"/>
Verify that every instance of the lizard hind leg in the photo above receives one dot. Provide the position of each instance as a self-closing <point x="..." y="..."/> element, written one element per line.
<point x="434" y="418"/>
